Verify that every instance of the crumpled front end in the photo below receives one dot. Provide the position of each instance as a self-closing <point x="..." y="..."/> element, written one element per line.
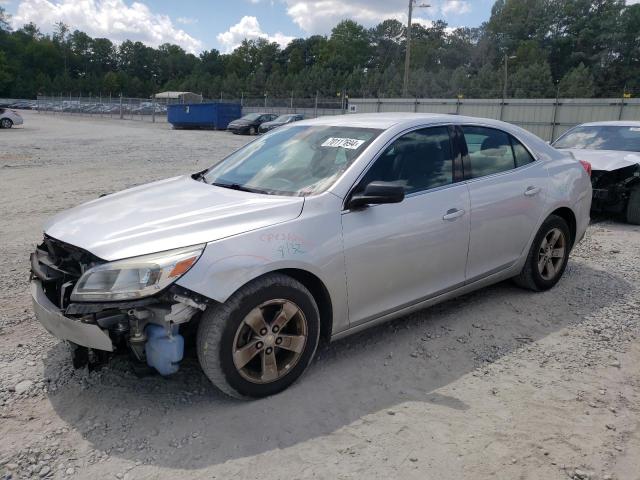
<point x="611" y="189"/>
<point x="151" y="328"/>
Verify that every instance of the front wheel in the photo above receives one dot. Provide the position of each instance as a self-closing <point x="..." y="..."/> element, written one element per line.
<point x="261" y="339"/>
<point x="6" y="123"/>
<point x="548" y="256"/>
<point x="252" y="130"/>
<point x="633" y="207"/>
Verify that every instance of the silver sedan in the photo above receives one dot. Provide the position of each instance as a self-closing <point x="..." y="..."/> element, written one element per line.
<point x="316" y="230"/>
<point x="9" y="118"/>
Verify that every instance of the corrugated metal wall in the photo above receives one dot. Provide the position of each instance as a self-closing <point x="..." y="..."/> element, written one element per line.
<point x="545" y="117"/>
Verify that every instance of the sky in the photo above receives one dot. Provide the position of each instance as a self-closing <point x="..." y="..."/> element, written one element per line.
<point x="223" y="24"/>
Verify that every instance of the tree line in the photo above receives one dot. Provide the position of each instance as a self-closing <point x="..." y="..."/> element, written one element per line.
<point x="574" y="48"/>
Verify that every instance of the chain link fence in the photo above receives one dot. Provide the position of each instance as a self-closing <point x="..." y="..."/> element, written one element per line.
<point x="155" y="110"/>
<point x="143" y="109"/>
<point x="546" y="117"/>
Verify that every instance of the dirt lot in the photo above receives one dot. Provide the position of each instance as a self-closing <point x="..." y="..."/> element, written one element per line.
<point x="502" y="383"/>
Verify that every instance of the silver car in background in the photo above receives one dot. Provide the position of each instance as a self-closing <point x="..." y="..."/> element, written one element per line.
<point x="315" y="230"/>
<point x="9" y="118"/>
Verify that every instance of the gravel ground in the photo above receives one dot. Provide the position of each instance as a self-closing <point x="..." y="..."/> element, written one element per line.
<point x="501" y="383"/>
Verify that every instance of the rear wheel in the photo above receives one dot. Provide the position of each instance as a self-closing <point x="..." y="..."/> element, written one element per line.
<point x="262" y="339"/>
<point x="252" y="130"/>
<point x="548" y="256"/>
<point x="633" y="207"/>
<point x="6" y="123"/>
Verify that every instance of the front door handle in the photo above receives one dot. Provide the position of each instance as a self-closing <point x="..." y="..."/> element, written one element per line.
<point x="532" y="191"/>
<point x="452" y="214"/>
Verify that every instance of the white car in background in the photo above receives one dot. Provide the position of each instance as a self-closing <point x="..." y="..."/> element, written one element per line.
<point x="9" y="118"/>
<point x="613" y="150"/>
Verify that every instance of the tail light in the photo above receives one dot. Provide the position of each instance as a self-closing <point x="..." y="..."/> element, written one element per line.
<point x="587" y="166"/>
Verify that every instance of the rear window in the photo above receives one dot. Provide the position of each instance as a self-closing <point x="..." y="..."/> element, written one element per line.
<point x="601" y="137"/>
<point x="489" y="151"/>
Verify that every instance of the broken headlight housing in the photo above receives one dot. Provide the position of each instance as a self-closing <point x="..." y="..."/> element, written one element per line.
<point x="135" y="277"/>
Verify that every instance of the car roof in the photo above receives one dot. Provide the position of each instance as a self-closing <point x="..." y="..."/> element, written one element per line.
<point x="616" y="123"/>
<point x="388" y="120"/>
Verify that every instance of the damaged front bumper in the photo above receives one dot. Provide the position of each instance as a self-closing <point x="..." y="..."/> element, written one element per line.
<point x="65" y="328"/>
<point x="151" y="328"/>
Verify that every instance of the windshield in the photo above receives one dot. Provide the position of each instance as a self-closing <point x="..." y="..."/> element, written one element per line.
<point x="251" y="116"/>
<point x="296" y="160"/>
<point x="603" y="137"/>
<point x="283" y="118"/>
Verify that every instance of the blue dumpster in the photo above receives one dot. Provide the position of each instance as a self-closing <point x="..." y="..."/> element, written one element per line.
<point x="203" y="115"/>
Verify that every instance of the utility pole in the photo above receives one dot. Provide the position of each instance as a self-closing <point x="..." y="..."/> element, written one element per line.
<point x="407" y="58"/>
<point x="504" y="86"/>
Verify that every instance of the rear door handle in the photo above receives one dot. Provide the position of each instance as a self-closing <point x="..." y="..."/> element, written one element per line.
<point x="453" y="213"/>
<point x="531" y="191"/>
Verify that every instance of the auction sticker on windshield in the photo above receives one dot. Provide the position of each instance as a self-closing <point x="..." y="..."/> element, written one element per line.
<point x="350" y="143"/>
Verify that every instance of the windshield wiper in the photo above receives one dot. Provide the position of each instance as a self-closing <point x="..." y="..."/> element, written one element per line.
<point x="237" y="186"/>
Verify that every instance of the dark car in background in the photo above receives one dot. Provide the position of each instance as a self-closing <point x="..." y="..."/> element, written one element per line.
<point x="249" y="124"/>
<point x="281" y="120"/>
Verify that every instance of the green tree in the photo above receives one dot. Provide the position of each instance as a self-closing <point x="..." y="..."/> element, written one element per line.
<point x="4" y="20"/>
<point x="348" y="47"/>
<point x="577" y="83"/>
<point x="531" y="81"/>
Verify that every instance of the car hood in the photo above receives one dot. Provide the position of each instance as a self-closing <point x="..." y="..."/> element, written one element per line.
<point x="167" y="214"/>
<point x="606" y="160"/>
<point x="239" y="123"/>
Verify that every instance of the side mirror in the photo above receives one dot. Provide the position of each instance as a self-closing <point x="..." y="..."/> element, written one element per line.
<point x="377" y="193"/>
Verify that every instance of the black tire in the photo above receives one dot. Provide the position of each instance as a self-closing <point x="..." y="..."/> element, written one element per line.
<point x="633" y="207"/>
<point x="531" y="277"/>
<point x="219" y="327"/>
<point x="6" y="123"/>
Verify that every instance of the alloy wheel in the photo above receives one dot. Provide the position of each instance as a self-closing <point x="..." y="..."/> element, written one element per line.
<point x="270" y="341"/>
<point x="551" y="254"/>
<point x="6" y="123"/>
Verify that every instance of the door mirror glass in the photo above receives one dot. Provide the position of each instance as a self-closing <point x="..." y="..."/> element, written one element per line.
<point x="376" y="193"/>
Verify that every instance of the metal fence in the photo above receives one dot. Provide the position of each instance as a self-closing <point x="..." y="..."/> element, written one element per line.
<point x="144" y="109"/>
<point x="309" y="107"/>
<point x="547" y="118"/>
<point x="153" y="110"/>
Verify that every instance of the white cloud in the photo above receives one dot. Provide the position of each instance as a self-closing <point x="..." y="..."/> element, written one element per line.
<point x="455" y="7"/>
<point x="113" y="19"/>
<point x="320" y="16"/>
<point x="249" y="28"/>
<point x="186" y="20"/>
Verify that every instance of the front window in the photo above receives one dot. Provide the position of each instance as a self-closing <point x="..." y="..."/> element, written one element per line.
<point x="602" y="137"/>
<point x="284" y="118"/>
<point x="296" y="161"/>
<point x="418" y="161"/>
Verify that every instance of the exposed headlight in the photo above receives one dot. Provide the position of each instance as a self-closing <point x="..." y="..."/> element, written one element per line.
<point x="135" y="277"/>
